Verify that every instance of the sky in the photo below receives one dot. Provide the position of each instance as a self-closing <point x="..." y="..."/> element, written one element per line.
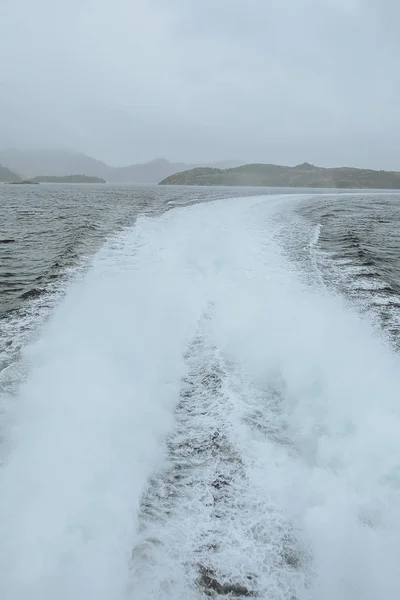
<point x="281" y="81"/>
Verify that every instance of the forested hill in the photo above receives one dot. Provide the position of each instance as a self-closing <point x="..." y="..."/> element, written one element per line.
<point x="304" y="175"/>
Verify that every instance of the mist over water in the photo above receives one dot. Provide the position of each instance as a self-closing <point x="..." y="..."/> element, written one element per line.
<point x="197" y="416"/>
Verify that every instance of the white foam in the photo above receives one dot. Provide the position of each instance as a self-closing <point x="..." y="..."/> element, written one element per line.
<point x="308" y="402"/>
<point x="88" y="421"/>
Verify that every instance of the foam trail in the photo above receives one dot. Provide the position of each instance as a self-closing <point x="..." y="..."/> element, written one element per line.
<point x="88" y="421"/>
<point x="335" y="473"/>
<point x="273" y="468"/>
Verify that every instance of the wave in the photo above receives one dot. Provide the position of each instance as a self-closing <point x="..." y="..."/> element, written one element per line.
<point x="196" y="420"/>
<point x="345" y="264"/>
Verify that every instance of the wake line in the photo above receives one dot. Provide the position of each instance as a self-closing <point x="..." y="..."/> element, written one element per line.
<point x="203" y="525"/>
<point x="198" y="418"/>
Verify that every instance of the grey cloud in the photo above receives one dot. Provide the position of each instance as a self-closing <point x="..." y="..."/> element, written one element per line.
<point x="277" y="81"/>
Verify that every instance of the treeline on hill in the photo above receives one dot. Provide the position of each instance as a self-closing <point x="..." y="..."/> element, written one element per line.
<point x="304" y="175"/>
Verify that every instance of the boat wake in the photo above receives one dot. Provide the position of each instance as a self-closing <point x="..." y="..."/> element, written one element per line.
<point x="199" y="420"/>
<point x="207" y="523"/>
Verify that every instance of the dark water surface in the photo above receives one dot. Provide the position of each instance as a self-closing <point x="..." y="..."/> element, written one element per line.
<point x="357" y="251"/>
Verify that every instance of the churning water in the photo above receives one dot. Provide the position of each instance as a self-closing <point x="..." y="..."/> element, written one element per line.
<point x="202" y="399"/>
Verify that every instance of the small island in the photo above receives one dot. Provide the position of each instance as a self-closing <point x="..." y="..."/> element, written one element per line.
<point x="23" y="182"/>
<point x="67" y="179"/>
<point x="302" y="176"/>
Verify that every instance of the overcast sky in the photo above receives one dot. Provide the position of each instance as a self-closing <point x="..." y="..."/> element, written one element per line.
<point x="281" y="81"/>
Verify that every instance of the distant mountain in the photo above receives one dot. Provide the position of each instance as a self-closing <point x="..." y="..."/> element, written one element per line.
<point x="224" y="164"/>
<point x="150" y="172"/>
<point x="67" y="179"/>
<point x="63" y="162"/>
<point x="7" y="175"/>
<point x="146" y="172"/>
<point x="304" y="175"/>
<point x="51" y="162"/>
